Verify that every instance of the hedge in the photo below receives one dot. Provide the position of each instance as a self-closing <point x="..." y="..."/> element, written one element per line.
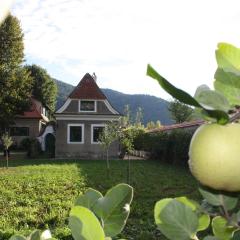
<point x="171" y="147"/>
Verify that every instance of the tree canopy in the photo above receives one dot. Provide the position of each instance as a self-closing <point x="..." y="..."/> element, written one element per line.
<point x="180" y="112"/>
<point x="44" y="87"/>
<point x="15" y="82"/>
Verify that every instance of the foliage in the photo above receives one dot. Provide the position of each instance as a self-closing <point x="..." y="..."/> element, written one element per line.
<point x="153" y="125"/>
<point x="44" y="87"/>
<point x="40" y="193"/>
<point x="32" y="146"/>
<point x="139" y="117"/>
<point x="108" y="136"/>
<point x="6" y="142"/>
<point x="180" y="112"/>
<point x="15" y="82"/>
<point x="170" y="147"/>
<point x="181" y="218"/>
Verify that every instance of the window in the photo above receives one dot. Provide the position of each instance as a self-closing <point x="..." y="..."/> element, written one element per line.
<point x="75" y="133"/>
<point x="97" y="129"/>
<point x="87" y="106"/>
<point x="19" y="131"/>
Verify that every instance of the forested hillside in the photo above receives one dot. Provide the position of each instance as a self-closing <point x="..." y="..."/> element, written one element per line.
<point x="153" y="108"/>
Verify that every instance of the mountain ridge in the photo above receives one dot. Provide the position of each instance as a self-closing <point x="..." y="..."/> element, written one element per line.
<point x="154" y="108"/>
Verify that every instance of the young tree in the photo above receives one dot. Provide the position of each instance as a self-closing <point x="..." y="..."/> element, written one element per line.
<point x="180" y="112"/>
<point x="15" y="82"/>
<point x="139" y="117"/>
<point x="7" y="142"/>
<point x="44" y="87"/>
<point x="109" y="135"/>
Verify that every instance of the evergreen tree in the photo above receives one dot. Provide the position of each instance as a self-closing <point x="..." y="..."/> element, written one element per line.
<point x="44" y="87"/>
<point x="15" y="82"/>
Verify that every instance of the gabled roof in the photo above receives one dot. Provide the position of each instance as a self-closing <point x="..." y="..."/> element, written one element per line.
<point x="87" y="89"/>
<point x="34" y="111"/>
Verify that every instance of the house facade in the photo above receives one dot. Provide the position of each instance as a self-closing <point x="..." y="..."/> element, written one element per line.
<point x="80" y="121"/>
<point x="30" y="123"/>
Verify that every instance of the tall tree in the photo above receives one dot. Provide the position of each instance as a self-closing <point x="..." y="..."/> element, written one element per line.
<point x="139" y="117"/>
<point x="15" y="82"/>
<point x="44" y="87"/>
<point x="180" y="112"/>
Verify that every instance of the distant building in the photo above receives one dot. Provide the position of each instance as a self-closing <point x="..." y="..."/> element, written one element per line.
<point x="81" y="119"/>
<point x="30" y="123"/>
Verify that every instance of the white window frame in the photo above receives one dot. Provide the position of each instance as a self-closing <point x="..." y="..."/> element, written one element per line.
<point x="92" y="126"/>
<point x="68" y="132"/>
<point x="90" y="100"/>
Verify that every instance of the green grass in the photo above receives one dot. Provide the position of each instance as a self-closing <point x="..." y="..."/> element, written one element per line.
<point x="40" y="193"/>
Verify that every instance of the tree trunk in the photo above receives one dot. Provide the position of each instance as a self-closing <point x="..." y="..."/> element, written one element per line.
<point x="7" y="158"/>
<point x="108" y="166"/>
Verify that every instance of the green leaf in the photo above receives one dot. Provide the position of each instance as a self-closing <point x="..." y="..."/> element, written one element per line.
<point x="35" y="235"/>
<point x="219" y="198"/>
<point x="236" y="235"/>
<point x="177" y="93"/>
<point x="203" y="222"/>
<point x="88" y="199"/>
<point x="211" y="100"/>
<point x="221" y="230"/>
<point x="178" y="221"/>
<point x="113" y="209"/>
<point x="17" y="237"/>
<point x="228" y="58"/>
<point x="221" y="116"/>
<point x="210" y="238"/>
<point x="229" y="85"/>
<point x="190" y="203"/>
<point x="159" y="206"/>
<point x="84" y="224"/>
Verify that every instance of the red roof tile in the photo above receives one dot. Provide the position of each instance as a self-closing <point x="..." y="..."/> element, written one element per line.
<point x="34" y="112"/>
<point x="87" y="89"/>
<point x="178" y="126"/>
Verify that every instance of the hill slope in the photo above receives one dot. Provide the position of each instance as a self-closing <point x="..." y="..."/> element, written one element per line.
<point x="153" y="108"/>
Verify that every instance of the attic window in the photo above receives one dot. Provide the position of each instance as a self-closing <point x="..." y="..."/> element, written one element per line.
<point x="87" y="106"/>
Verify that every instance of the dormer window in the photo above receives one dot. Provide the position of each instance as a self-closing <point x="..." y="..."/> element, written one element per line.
<point x="87" y="106"/>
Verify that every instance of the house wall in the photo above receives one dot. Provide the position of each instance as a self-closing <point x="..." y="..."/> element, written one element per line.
<point x="34" y="126"/>
<point x="73" y="107"/>
<point x="84" y="151"/>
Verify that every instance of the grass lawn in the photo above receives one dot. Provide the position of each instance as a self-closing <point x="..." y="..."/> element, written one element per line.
<point x="40" y="193"/>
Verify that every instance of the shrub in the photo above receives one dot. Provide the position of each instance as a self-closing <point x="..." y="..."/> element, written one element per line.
<point x="32" y="146"/>
<point x="171" y="147"/>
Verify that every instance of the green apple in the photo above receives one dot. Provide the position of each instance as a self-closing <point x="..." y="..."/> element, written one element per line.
<point x="214" y="156"/>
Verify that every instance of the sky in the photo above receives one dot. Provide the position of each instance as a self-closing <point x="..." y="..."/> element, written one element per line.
<point x="116" y="39"/>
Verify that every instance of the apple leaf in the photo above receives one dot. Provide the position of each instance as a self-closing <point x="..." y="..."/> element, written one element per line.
<point x="228" y="84"/>
<point x="88" y="199"/>
<point x="177" y="221"/>
<point x="211" y="99"/>
<point x="84" y="224"/>
<point x="236" y="235"/>
<point x="188" y="202"/>
<point x="221" y="116"/>
<point x="203" y="222"/>
<point x="228" y="58"/>
<point x="210" y="238"/>
<point x="17" y="237"/>
<point x="219" y="198"/>
<point x="159" y="206"/>
<point x="221" y="230"/>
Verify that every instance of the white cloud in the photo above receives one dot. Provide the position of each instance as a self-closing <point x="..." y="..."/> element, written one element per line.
<point x="117" y="38"/>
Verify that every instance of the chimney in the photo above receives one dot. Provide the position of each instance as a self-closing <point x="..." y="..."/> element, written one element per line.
<point x="94" y="76"/>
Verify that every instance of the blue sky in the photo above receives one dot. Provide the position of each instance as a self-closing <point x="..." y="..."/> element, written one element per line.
<point x="117" y="38"/>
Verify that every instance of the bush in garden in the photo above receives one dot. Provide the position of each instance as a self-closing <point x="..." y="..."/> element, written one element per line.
<point x="32" y="146"/>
